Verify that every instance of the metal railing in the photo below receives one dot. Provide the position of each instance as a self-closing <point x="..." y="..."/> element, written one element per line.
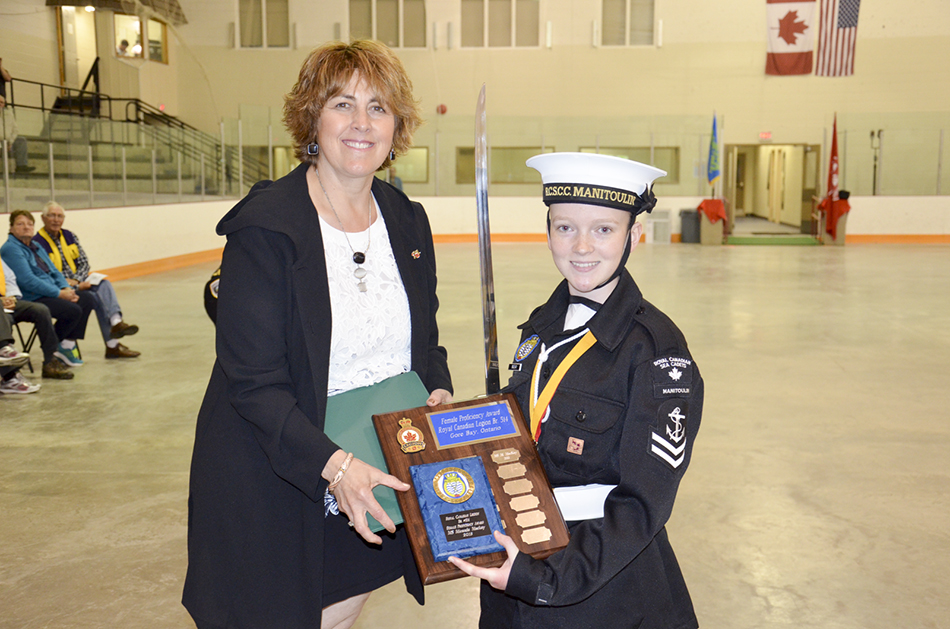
<point x="91" y="138"/>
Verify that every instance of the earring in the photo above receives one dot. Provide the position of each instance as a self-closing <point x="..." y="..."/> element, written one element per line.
<point x="313" y="149"/>
<point x="392" y="154"/>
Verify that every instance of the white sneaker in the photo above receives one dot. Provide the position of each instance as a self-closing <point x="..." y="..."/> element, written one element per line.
<point x="18" y="385"/>
<point x="9" y="357"/>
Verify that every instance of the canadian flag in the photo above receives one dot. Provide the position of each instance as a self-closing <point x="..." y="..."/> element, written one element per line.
<point x="791" y="36"/>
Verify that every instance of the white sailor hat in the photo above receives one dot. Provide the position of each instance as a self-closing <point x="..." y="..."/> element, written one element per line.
<point x="596" y="179"/>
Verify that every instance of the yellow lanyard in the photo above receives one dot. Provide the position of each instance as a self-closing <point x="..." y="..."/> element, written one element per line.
<point x="541" y="402"/>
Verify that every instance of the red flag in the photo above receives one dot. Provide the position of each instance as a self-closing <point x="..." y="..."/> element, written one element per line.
<point x="836" y="37"/>
<point x="791" y="36"/>
<point x="832" y="206"/>
<point x="833" y="163"/>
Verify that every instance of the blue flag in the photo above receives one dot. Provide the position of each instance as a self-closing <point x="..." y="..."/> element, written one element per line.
<point x="712" y="165"/>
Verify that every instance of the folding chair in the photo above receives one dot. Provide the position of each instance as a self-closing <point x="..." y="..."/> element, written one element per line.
<point x="28" y="343"/>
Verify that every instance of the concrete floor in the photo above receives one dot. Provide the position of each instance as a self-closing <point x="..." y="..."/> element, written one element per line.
<point x="817" y="496"/>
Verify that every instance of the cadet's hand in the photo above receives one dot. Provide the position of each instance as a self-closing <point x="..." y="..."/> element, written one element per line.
<point x="496" y="577"/>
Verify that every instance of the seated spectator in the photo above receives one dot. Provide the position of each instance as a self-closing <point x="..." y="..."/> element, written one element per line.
<point x="11" y="380"/>
<point x="15" y="144"/>
<point x="40" y="282"/>
<point x="39" y="316"/>
<point x="70" y="259"/>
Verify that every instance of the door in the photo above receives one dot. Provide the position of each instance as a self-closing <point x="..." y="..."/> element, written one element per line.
<point x="68" y="53"/>
<point x="77" y="46"/>
<point x="776" y="184"/>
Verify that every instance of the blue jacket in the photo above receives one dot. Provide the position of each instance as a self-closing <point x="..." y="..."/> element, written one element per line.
<point x="33" y="281"/>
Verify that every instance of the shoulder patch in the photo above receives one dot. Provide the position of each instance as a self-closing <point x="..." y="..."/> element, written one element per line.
<point x="668" y="439"/>
<point x="672" y="376"/>
<point x="524" y="350"/>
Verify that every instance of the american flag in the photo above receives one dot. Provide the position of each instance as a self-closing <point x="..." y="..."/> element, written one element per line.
<point x="839" y="29"/>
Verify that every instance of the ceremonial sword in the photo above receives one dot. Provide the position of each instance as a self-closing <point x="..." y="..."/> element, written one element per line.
<point x="484" y="248"/>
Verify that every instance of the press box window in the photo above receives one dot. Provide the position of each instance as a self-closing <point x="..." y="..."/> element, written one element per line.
<point x="264" y="23"/>
<point x="396" y="23"/>
<point x="664" y="157"/>
<point x="128" y="36"/>
<point x="627" y="23"/>
<point x="500" y="23"/>
<point x="156" y="34"/>
<point x="506" y="164"/>
<point x="413" y="167"/>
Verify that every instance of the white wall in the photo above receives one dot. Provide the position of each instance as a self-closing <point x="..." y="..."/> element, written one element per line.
<point x="516" y="215"/>
<point x="122" y="236"/>
<point x="882" y="216"/>
<point x="28" y="41"/>
<point x="116" y="237"/>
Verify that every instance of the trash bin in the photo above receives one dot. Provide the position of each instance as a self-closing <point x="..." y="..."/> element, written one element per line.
<point x="689" y="226"/>
<point x="658" y="227"/>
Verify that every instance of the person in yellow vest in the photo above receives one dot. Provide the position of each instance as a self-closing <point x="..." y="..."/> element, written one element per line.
<point x="614" y="400"/>
<point x="68" y="256"/>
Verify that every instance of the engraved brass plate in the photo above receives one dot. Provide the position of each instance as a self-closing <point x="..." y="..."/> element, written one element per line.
<point x="505" y="456"/>
<point x="530" y="518"/>
<point x="512" y="470"/>
<point x="536" y="536"/>
<point x="520" y="486"/>
<point x="523" y="503"/>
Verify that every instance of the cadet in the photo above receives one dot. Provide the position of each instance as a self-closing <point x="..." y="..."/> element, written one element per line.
<point x="614" y="401"/>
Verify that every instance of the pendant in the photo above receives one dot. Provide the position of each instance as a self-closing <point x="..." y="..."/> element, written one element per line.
<point x="360" y="273"/>
<point x="359" y="257"/>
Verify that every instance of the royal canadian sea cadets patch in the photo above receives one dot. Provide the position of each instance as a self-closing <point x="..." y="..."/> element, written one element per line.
<point x="672" y="377"/>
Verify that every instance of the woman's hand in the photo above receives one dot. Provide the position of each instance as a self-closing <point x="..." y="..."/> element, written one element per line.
<point x="83" y="286"/>
<point x="354" y="494"/>
<point x="496" y="577"/>
<point x="68" y="294"/>
<point x="439" y="396"/>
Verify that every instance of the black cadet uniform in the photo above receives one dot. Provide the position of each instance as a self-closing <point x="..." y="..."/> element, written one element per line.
<point x="634" y="401"/>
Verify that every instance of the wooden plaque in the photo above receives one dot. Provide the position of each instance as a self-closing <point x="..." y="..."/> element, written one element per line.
<point x="518" y="482"/>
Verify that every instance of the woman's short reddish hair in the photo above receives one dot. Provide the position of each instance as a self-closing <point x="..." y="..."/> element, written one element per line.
<point x="325" y="74"/>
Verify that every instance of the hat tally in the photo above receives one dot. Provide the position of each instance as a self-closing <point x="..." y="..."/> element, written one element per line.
<point x="594" y="179"/>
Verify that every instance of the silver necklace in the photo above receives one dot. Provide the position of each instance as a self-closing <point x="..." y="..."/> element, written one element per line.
<point x="359" y="257"/>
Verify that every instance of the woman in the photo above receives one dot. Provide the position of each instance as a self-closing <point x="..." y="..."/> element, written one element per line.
<point x="327" y="284"/>
<point x="615" y="402"/>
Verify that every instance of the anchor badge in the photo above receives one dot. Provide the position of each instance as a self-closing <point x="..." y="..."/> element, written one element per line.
<point x="677" y="433"/>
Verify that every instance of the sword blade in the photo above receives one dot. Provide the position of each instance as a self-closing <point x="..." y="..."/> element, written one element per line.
<point x="492" y="385"/>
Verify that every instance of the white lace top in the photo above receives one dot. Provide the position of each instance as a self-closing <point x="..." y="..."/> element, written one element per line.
<point x="371" y="335"/>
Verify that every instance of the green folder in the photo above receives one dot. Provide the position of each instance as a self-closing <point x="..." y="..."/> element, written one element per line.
<point x="349" y="424"/>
